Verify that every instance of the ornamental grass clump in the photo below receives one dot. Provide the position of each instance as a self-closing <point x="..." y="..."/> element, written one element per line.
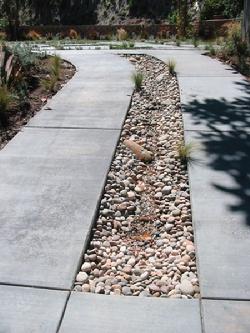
<point x="122" y="34"/>
<point x="56" y="66"/>
<point x="171" y="66"/>
<point x="178" y="42"/>
<point x="49" y="84"/>
<point x="195" y="42"/>
<point x="186" y="152"/>
<point x="6" y="98"/>
<point x="137" y="78"/>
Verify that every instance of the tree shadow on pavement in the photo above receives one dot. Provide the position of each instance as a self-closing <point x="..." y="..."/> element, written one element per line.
<point x="228" y="149"/>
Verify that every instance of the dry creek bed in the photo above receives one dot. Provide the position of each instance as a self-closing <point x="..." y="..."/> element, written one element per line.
<point x="143" y="243"/>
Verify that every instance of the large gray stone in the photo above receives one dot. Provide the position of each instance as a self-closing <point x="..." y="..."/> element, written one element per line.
<point x="51" y="181"/>
<point x="105" y="314"/>
<point x="24" y="310"/>
<point x="226" y="316"/>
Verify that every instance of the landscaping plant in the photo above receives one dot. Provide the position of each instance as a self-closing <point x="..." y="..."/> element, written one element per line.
<point x="49" y="84"/>
<point x="122" y="34"/>
<point x="195" y="42"/>
<point x="6" y="98"/>
<point x="73" y="34"/>
<point x="171" y="66"/>
<point x="137" y="78"/>
<point x="235" y="49"/>
<point x="186" y="151"/>
<point x="56" y="66"/>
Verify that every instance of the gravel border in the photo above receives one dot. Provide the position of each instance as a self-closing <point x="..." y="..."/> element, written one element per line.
<point x="142" y="243"/>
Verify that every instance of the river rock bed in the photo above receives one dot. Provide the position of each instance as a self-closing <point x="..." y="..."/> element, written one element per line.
<point x="142" y="243"/>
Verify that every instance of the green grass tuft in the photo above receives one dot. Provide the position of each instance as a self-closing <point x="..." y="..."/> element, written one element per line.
<point x="186" y="151"/>
<point x="56" y="66"/>
<point x="137" y="78"/>
<point x="6" y="98"/>
<point x="171" y="66"/>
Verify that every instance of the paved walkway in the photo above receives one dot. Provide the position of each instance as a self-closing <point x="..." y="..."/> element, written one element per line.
<point x="52" y="174"/>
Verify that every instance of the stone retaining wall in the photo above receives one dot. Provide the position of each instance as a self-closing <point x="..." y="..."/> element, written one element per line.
<point x="207" y="29"/>
<point x="105" y="31"/>
<point x="215" y="28"/>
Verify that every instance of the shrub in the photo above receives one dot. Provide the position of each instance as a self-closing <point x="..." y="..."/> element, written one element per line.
<point x="235" y="47"/>
<point x="33" y="35"/>
<point x="6" y="99"/>
<point x="171" y="66"/>
<point x="25" y="56"/>
<point x="73" y="34"/>
<point x="122" y="34"/>
<point x="137" y="78"/>
<point x="235" y="43"/>
<point x="227" y="8"/>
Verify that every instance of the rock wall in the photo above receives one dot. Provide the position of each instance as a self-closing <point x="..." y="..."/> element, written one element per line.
<point x="83" y="12"/>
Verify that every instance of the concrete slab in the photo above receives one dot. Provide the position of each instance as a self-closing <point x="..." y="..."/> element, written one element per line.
<point x="105" y="314"/>
<point x="25" y="310"/>
<point x="191" y="63"/>
<point x="212" y="104"/>
<point x="226" y="316"/>
<point x="219" y="184"/>
<point x="98" y="96"/>
<point x="51" y="181"/>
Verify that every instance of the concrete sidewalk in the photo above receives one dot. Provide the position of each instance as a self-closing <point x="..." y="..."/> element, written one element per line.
<point x="52" y="174"/>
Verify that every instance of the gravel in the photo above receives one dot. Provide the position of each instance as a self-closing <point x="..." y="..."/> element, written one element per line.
<point x="143" y="243"/>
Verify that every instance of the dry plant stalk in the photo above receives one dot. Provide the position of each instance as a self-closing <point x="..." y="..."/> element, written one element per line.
<point x="141" y="153"/>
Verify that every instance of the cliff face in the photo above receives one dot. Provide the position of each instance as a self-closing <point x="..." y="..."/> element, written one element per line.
<point x="63" y="11"/>
<point x="118" y="11"/>
<point x="96" y="11"/>
<point x="78" y="11"/>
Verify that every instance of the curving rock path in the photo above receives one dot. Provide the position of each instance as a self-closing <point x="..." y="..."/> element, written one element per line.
<point x="52" y="174"/>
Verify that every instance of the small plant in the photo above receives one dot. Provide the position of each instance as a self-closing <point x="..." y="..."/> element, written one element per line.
<point x="125" y="45"/>
<point x="25" y="56"/>
<point x="131" y="44"/>
<point x="171" y="66"/>
<point x="237" y="46"/>
<point x="6" y="99"/>
<point x="56" y="66"/>
<point x="73" y="34"/>
<point x="33" y="35"/>
<point x="49" y="84"/>
<point x="195" y="42"/>
<point x="137" y="78"/>
<point x="212" y="50"/>
<point x="178" y="42"/>
<point x="185" y="152"/>
<point x="122" y="34"/>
